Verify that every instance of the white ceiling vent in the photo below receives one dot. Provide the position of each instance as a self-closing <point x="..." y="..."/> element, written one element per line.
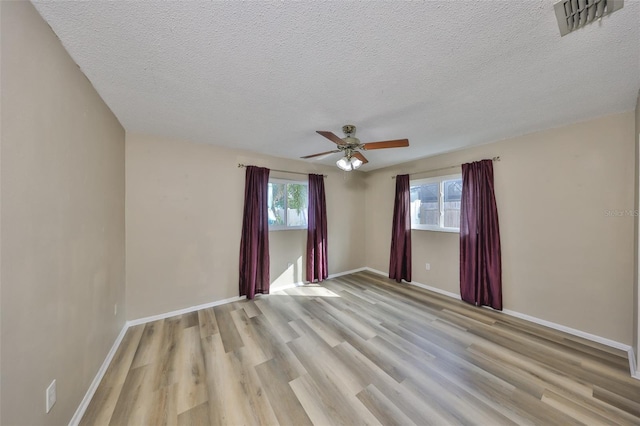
<point x="574" y="14"/>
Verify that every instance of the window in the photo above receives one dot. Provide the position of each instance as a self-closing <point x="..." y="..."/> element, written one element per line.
<point x="288" y="204"/>
<point x="435" y="203"/>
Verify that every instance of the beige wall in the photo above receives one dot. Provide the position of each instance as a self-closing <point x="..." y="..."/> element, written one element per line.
<point x="184" y="219"/>
<point x="564" y="260"/>
<point x="62" y="221"/>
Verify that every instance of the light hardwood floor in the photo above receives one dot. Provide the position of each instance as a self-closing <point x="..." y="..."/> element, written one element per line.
<point x="360" y="349"/>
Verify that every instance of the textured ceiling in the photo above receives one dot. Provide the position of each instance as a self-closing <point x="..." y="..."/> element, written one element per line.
<point x="264" y="76"/>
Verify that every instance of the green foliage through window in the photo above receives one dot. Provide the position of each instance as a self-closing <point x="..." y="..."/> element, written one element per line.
<point x="288" y="204"/>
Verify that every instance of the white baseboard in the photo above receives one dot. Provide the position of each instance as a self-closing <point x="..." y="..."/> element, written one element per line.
<point x="436" y="290"/>
<point x="183" y="311"/>
<point x="569" y="330"/>
<point x="579" y="333"/>
<point x="339" y="274"/>
<point x="594" y="338"/>
<point x="77" y="416"/>
<point x="375" y="271"/>
<point x="632" y="364"/>
<point x="416" y="284"/>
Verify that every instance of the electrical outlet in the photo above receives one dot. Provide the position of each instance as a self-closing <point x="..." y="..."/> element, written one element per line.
<point x="115" y="309"/>
<point x="428" y="266"/>
<point x="51" y="395"/>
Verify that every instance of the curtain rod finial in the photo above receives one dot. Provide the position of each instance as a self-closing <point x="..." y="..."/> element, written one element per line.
<point x="240" y="165"/>
<point x="496" y="158"/>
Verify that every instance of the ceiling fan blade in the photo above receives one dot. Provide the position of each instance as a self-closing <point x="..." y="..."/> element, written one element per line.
<point x="397" y="143"/>
<point x="360" y="157"/>
<point x="322" y="153"/>
<point x="331" y="137"/>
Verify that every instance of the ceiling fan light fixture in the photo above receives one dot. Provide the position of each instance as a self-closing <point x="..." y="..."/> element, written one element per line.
<point x="344" y="164"/>
<point x="347" y="164"/>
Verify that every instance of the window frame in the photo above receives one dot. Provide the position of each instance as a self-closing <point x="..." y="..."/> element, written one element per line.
<point x="285" y="227"/>
<point x="440" y="180"/>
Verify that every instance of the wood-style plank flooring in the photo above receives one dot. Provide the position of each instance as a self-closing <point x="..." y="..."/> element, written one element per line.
<point x="360" y="349"/>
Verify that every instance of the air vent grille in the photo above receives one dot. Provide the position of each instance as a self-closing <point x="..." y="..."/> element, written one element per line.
<point x="574" y="14"/>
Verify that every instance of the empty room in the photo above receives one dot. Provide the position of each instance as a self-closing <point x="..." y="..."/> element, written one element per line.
<point x="314" y="212"/>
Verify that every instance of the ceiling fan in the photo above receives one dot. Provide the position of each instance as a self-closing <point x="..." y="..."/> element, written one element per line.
<point x="351" y="147"/>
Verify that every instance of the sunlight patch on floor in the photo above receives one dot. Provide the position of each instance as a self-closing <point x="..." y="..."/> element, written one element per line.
<point x="309" y="290"/>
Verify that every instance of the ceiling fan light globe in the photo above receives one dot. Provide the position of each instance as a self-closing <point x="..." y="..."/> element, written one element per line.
<point x="344" y="164"/>
<point x="356" y="163"/>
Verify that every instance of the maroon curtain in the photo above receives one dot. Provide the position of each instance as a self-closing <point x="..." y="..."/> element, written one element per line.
<point x="317" y="231"/>
<point x="480" y="260"/>
<point x="400" y="262"/>
<point x="254" y="244"/>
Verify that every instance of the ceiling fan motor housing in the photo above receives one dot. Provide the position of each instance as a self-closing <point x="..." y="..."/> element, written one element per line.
<point x="351" y="141"/>
<point x="349" y="130"/>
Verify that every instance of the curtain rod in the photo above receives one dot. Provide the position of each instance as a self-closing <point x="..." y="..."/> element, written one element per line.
<point x="242" y="166"/>
<point x="443" y="168"/>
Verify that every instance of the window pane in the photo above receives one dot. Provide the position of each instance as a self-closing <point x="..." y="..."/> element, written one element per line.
<point x="297" y="204"/>
<point x="276" y="202"/>
<point x="452" y="196"/>
<point x="424" y="204"/>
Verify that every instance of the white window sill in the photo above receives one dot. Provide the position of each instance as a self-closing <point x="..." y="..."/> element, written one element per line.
<point x="287" y="228"/>
<point x="436" y="229"/>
